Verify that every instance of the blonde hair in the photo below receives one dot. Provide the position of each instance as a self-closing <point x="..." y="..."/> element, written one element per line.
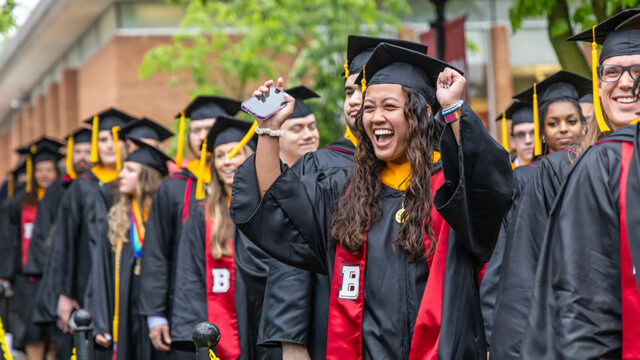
<point x="223" y="227"/>
<point x="591" y="136"/>
<point x="148" y="182"/>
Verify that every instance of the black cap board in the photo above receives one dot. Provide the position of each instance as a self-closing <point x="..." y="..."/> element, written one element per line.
<point x="227" y="130"/>
<point x="145" y="128"/>
<point x="39" y="144"/>
<point x="360" y="48"/>
<point x="301" y="93"/>
<point x="619" y="35"/>
<point x="81" y="135"/>
<point x="519" y="113"/>
<point x="110" y="118"/>
<point x="149" y="156"/>
<point x="562" y="84"/>
<point x="46" y="153"/>
<point x="210" y="107"/>
<point x="390" y="64"/>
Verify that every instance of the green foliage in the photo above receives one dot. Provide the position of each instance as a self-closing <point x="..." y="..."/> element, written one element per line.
<point x="227" y="47"/>
<point x="7" y="19"/>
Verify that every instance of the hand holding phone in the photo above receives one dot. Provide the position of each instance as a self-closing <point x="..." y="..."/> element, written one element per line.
<point x="272" y="106"/>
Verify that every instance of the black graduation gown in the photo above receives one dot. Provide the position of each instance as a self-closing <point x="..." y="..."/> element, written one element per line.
<point x="163" y="229"/>
<point x="491" y="278"/>
<point x="294" y="297"/>
<point x="526" y="233"/>
<point x="190" y="290"/>
<point x="133" y="333"/>
<point x="576" y="306"/>
<point x="80" y="225"/>
<point x="474" y="198"/>
<point x="45" y="219"/>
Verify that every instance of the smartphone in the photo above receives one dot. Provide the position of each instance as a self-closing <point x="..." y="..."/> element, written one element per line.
<point x="263" y="107"/>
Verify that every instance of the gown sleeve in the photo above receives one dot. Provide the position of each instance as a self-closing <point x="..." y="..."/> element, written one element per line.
<point x="8" y="242"/>
<point x="576" y="303"/>
<point x="478" y="185"/>
<point x="156" y="258"/>
<point x="190" y="292"/>
<point x="100" y="296"/>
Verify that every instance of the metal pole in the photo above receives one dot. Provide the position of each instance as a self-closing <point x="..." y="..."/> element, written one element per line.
<point x="82" y="334"/>
<point x="439" y="26"/>
<point x="206" y="337"/>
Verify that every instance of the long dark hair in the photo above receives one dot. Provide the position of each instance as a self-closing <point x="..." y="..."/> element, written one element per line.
<point x="360" y="208"/>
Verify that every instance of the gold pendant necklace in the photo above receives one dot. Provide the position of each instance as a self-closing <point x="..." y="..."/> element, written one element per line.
<point x="400" y="213"/>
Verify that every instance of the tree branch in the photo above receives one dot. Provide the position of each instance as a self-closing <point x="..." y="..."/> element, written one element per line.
<point x="568" y="52"/>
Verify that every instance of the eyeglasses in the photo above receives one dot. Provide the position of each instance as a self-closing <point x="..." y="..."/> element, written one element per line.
<point x="613" y="72"/>
<point x="522" y="135"/>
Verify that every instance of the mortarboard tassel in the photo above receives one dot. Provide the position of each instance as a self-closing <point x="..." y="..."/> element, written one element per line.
<point x="594" y="79"/>
<point x="116" y="140"/>
<point x="70" y="171"/>
<point x="180" y="141"/>
<point x="363" y="82"/>
<point x="94" y="140"/>
<point x="537" y="150"/>
<point x="346" y="67"/>
<point x="203" y="159"/>
<point x="505" y="136"/>
<point x="10" y="185"/>
<point x="30" y="167"/>
<point x="245" y="140"/>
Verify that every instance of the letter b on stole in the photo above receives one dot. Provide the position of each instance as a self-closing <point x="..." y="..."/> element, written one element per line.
<point x="350" y="282"/>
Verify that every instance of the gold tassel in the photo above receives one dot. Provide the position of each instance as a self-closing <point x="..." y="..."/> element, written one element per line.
<point x="180" y="141"/>
<point x="70" y="171"/>
<point x="245" y="140"/>
<point x="594" y="79"/>
<point x="363" y="82"/>
<point x="30" y="167"/>
<point x="94" y="140"/>
<point x="537" y="150"/>
<point x="116" y="140"/>
<point x="505" y="136"/>
<point x="203" y="159"/>
<point x="346" y="67"/>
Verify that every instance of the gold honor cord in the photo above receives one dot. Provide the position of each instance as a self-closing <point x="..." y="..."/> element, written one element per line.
<point x="594" y="80"/>
<point x="70" y="171"/>
<point x="116" y="311"/>
<point x="245" y="140"/>
<point x="3" y="344"/>
<point x="116" y="142"/>
<point x="180" y="141"/>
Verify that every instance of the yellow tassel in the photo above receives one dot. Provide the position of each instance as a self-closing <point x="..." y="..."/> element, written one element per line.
<point x="505" y="135"/>
<point x="3" y="345"/>
<point x="29" y="172"/>
<point x="73" y="354"/>
<point x="245" y="140"/>
<point x="346" y="67"/>
<point x="537" y="150"/>
<point x="180" y="141"/>
<point x="70" y="171"/>
<point x="94" y="140"/>
<point x="203" y="159"/>
<point x="116" y="308"/>
<point x="116" y="140"/>
<point x="363" y="82"/>
<point x="594" y="79"/>
<point x="10" y="184"/>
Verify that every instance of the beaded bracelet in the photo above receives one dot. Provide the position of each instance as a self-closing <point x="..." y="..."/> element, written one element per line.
<point x="455" y="107"/>
<point x="269" y="132"/>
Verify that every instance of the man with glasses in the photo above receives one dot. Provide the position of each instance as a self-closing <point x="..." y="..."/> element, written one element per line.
<point x="522" y="132"/>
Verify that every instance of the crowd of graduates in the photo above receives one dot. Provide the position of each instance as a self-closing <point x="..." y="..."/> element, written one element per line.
<point x="415" y="236"/>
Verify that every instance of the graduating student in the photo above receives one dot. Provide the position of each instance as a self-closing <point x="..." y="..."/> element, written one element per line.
<point x="170" y="208"/>
<point x="145" y="130"/>
<point x="220" y="274"/>
<point x="115" y="275"/>
<point x="563" y="125"/>
<point x="42" y="170"/>
<point x="419" y="233"/>
<point x="296" y="298"/>
<point x="82" y="216"/>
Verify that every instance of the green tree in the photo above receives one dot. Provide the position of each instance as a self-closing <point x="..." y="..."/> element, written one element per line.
<point x="7" y="18"/>
<point x="228" y="46"/>
<point x="561" y="15"/>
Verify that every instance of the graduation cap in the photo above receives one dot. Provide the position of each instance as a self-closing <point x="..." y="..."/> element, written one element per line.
<point x="111" y="119"/>
<point x="227" y="130"/>
<point x="13" y="177"/>
<point x="32" y="149"/>
<point x="587" y="99"/>
<point x="79" y="136"/>
<point x="619" y="35"/>
<point x="390" y="64"/>
<point x="519" y="113"/>
<point x="301" y="93"/>
<point x="149" y="156"/>
<point x="145" y="128"/>
<point x="203" y="107"/>
<point x="360" y="48"/>
<point x="561" y="85"/>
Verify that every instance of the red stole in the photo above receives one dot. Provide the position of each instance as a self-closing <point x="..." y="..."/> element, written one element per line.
<point x="630" y="295"/>
<point x="221" y="307"/>
<point x="344" y="338"/>
<point x="26" y="228"/>
<point x="187" y="200"/>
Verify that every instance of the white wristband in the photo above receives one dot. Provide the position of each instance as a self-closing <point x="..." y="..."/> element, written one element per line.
<point x="269" y="132"/>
